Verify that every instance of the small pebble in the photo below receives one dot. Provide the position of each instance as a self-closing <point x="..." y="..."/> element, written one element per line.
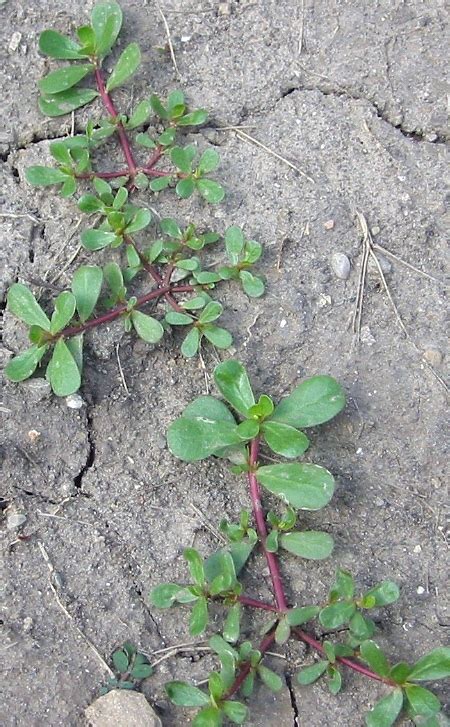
<point x="433" y="356"/>
<point x="375" y="230"/>
<point x="283" y="323"/>
<point x="74" y="401"/>
<point x="329" y="224"/>
<point x="33" y="435"/>
<point x="223" y="9"/>
<point x="15" y="41"/>
<point x="366" y="336"/>
<point x="420" y="590"/>
<point x="385" y="265"/>
<point x="341" y="265"/>
<point x="27" y="624"/>
<point x="417" y="549"/>
<point x="15" y="520"/>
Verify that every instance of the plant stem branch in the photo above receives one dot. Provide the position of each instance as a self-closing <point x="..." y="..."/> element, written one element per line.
<point x="151" y="270"/>
<point x="271" y="558"/>
<point x="123" y="138"/>
<point x="117" y="312"/>
<point x="350" y="663"/>
<point x="246" y="668"/>
<point x="255" y="603"/>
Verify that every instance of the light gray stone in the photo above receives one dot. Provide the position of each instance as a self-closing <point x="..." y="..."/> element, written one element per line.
<point x="121" y="708"/>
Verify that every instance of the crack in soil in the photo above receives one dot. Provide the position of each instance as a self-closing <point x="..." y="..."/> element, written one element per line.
<point x="90" y="459"/>
<point x="288" y="679"/>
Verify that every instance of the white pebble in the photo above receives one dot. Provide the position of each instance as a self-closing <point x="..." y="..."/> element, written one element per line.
<point x="341" y="265"/>
<point x="74" y="401"/>
<point x="420" y="590"/>
<point x="283" y="323"/>
<point x="15" y="520"/>
<point x="15" y="41"/>
<point x="417" y="549"/>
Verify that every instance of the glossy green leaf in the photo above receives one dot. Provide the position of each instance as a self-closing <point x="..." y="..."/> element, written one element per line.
<point x="301" y="614"/>
<point x="312" y="402"/>
<point x="181" y="158"/>
<point x="160" y="183"/>
<point x="361" y="627"/>
<point x="127" y="64"/>
<point x="211" y="191"/>
<point x="240" y="553"/>
<point x="195" y="118"/>
<point x="199" y="617"/>
<point x="343" y="586"/>
<point x="432" y="666"/>
<point x="272" y="543"/>
<point x="139" y="115"/>
<point x="421" y="701"/>
<point x="185" y="695"/>
<point x="270" y="678"/>
<point x="185" y="188"/>
<point x="106" y="18"/>
<point x="285" y="440"/>
<point x="334" y="680"/>
<point x="210" y="408"/>
<point x="142" y="671"/>
<point x="147" y="328"/>
<point x="64" y="78"/>
<point x="164" y="595"/>
<point x="208" y="717"/>
<point x="310" y="544"/>
<point x="69" y="187"/>
<point x="97" y="239"/>
<point x="58" y="46"/>
<point x="60" y="104"/>
<point x="114" y="278"/>
<point x="211" y="312"/>
<point x="282" y="631"/>
<point x="209" y="161"/>
<point x="178" y="319"/>
<point x="231" y="627"/>
<point x="253" y="286"/>
<point x="235" y="711"/>
<point x="158" y="108"/>
<point x="120" y="661"/>
<point x="62" y="371"/>
<point x="304" y="486"/>
<point x="373" y="655"/>
<point x="234" y="242"/>
<point x="21" y="367"/>
<point x="337" y="614"/>
<point x="311" y="674"/>
<point x="219" y="337"/>
<point x="195" y="563"/>
<point x="384" y="593"/>
<point x="248" y="429"/>
<point x="171" y="228"/>
<point x="233" y="383"/>
<point x="386" y="710"/>
<point x="196" y="438"/>
<point x="75" y="346"/>
<point x="40" y="176"/>
<point x="190" y="345"/>
<point x="64" y="309"/>
<point x="86" y="287"/>
<point x="23" y="304"/>
<point x="141" y="219"/>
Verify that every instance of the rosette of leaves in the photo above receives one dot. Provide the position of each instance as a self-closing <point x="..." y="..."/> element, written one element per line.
<point x="194" y="174"/>
<point x="242" y="255"/>
<point x="131" y="669"/>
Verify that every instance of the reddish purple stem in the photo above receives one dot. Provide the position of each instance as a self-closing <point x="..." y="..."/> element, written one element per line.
<point x="123" y="138"/>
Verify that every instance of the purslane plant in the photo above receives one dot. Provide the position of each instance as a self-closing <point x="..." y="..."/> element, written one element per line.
<point x="170" y="256"/>
<point x="208" y="427"/>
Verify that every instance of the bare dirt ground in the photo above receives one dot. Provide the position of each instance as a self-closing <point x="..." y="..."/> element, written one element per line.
<point x="353" y="95"/>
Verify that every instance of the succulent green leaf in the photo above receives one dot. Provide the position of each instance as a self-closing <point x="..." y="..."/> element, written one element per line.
<point x="211" y="312"/>
<point x="311" y="674"/>
<point x="21" y="367"/>
<point x="282" y="631"/>
<point x="231" y="627"/>
<point x="142" y="671"/>
<point x="185" y="695"/>
<point x="421" y="701"/>
<point x="361" y="628"/>
<point x="143" y="139"/>
<point x="285" y="440"/>
<point x="248" y="429"/>
<point x="209" y="407"/>
<point x="196" y="438"/>
<point x="40" y="176"/>
<point x="233" y="383"/>
<point x="97" y="239"/>
<point x="205" y="277"/>
<point x="185" y="188"/>
<point x="60" y="104"/>
<point x="64" y="78"/>
<point x="165" y="595"/>
<point x="272" y="543"/>
<point x="211" y="191"/>
<point x="311" y="545"/>
<point x="75" y="346"/>
<point x="160" y="183"/>
<point x="139" y="115"/>
<point x="253" y="286"/>
<point x="386" y="710"/>
<point x="208" y="717"/>
<point x="270" y="679"/>
<point x="86" y="287"/>
<point x="209" y="161"/>
<point x="178" y="319"/>
<point x="55" y="45"/>
<point x="141" y="219"/>
<point x="219" y="337"/>
<point x="195" y="562"/>
<point x="312" y="402"/>
<point x="194" y="118"/>
<point x="301" y="614"/>
<point x="373" y="655"/>
<point x="62" y="371"/>
<point x="304" y="486"/>
<point x="23" y="304"/>
<point x="235" y="711"/>
<point x="343" y="586"/>
<point x="158" y="108"/>
<point x="64" y="309"/>
<point x="106" y="18"/>
<point x="181" y="158"/>
<point x="432" y="666"/>
<point x="120" y="661"/>
<point x="333" y="616"/>
<point x="384" y="593"/>
<point x="190" y="345"/>
<point x="199" y="617"/>
<point x="114" y="278"/>
<point x="171" y="228"/>
<point x="234" y="242"/>
<point x="334" y="680"/>
<point x="125" y="67"/>
<point x="175" y="99"/>
<point x="253" y="251"/>
<point x="69" y="187"/>
<point x="147" y="328"/>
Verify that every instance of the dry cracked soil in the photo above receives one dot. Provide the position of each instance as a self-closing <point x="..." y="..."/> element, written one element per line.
<point x="353" y="95"/>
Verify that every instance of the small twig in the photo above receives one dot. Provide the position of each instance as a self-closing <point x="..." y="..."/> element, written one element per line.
<point x="302" y="26"/>
<point x="67" y="614"/>
<point x="122" y="375"/>
<point x="169" y="41"/>
<point x="247" y="137"/>
<point x="175" y="651"/>
<point x="406" y="264"/>
<point x="14" y="216"/>
<point x="217" y="534"/>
